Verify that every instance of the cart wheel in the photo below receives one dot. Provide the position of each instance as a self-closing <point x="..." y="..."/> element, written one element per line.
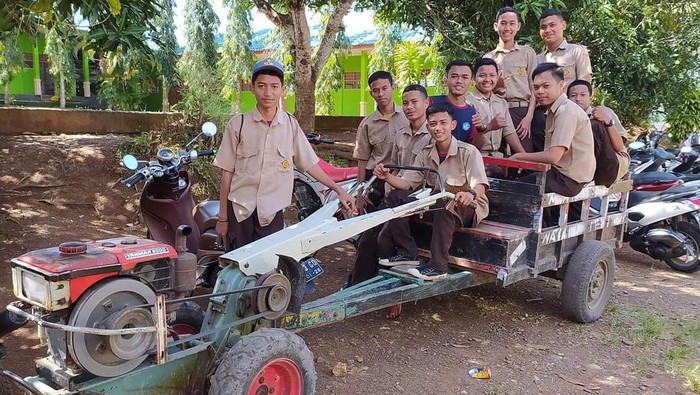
<point x="188" y="319"/>
<point x="689" y="262"/>
<point x="588" y="281"/>
<point x="267" y="361"/>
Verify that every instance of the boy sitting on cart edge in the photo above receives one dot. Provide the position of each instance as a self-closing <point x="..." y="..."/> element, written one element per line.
<point x="461" y="166"/>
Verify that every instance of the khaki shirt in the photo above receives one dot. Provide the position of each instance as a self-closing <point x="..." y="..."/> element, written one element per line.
<point x="518" y="62"/>
<point x="408" y="144"/>
<point x="572" y="57"/>
<point x="375" y="137"/>
<point x="568" y="126"/>
<point x="489" y="108"/>
<point x="462" y="170"/>
<point x="262" y="159"/>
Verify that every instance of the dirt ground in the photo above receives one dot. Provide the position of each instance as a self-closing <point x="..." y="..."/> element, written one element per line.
<point x="59" y="188"/>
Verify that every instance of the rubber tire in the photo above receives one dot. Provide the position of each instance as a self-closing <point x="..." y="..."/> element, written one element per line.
<point x="243" y="361"/>
<point x="577" y="279"/>
<point x="690" y="230"/>
<point x="189" y="313"/>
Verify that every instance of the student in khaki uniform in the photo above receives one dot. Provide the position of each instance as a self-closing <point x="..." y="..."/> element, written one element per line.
<point x="257" y="154"/>
<point x="573" y="59"/>
<point x="568" y="135"/>
<point x="516" y="62"/>
<point x="493" y="108"/>
<point x="409" y="141"/>
<point x="612" y="159"/>
<point x="376" y="132"/>
<point x="462" y="168"/>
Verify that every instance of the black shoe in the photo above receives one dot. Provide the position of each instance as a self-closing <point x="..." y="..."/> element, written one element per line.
<point x="399" y="260"/>
<point x="427" y="273"/>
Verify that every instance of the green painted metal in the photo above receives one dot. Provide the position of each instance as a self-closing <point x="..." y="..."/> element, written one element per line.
<point x="386" y="289"/>
<point x="86" y="66"/>
<point x="35" y="60"/>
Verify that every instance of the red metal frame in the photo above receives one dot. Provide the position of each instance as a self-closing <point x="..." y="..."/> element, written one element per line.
<point x="490" y="160"/>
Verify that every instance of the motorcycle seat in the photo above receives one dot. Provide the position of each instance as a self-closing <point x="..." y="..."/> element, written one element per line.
<point x="337" y="174"/>
<point x="654" y="177"/>
<point x="637" y="197"/>
<point x="206" y="214"/>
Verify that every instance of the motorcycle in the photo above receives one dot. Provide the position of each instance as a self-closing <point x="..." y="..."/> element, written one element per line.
<point x="665" y="225"/>
<point x="309" y="193"/>
<point x="166" y="203"/>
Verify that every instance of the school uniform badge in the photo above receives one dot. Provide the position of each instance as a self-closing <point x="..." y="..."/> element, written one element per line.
<point x="567" y="73"/>
<point x="285" y="164"/>
<point x="520" y="71"/>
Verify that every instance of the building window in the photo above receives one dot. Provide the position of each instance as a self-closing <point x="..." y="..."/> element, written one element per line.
<point x="28" y="60"/>
<point x="352" y="80"/>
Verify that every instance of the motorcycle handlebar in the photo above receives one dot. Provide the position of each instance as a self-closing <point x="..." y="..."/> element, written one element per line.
<point x="316" y="139"/>
<point x="206" y="152"/>
<point x="134" y="179"/>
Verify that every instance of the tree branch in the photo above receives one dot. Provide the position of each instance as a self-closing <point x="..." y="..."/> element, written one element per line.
<point x="328" y="38"/>
<point x="280" y="20"/>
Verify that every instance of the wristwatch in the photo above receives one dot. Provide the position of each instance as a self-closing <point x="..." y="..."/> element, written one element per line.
<point x="611" y="123"/>
<point x="473" y="192"/>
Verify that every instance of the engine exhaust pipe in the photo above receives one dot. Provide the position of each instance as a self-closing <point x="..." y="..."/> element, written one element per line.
<point x="185" y="279"/>
<point x="665" y="236"/>
<point x="181" y="238"/>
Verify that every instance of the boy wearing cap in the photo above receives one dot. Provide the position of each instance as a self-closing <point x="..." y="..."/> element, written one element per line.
<point x="257" y="155"/>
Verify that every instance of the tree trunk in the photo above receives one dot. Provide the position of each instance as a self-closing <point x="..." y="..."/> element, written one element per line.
<point x="8" y="99"/>
<point x="237" y="102"/>
<point x="166" y="105"/>
<point x="62" y="103"/>
<point x="305" y="111"/>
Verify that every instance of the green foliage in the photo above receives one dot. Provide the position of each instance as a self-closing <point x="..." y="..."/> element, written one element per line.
<point x="382" y="56"/>
<point x="331" y="77"/>
<point x="11" y="61"/>
<point x="684" y="115"/>
<point x="438" y="60"/>
<point x="197" y="67"/>
<point x="644" y="53"/>
<point x="128" y="78"/>
<point x="61" y="46"/>
<point x="166" y="54"/>
<point x="410" y="59"/>
<point x="237" y="59"/>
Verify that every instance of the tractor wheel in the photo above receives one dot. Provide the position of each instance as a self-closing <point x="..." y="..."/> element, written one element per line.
<point x="187" y="319"/>
<point x="689" y="262"/>
<point x="267" y="361"/>
<point x="588" y="281"/>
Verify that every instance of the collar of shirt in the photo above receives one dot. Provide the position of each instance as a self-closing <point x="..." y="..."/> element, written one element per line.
<point x="589" y="111"/>
<point x="562" y="46"/>
<point x="377" y="115"/>
<point x="557" y="103"/>
<point x="423" y="129"/>
<point x="278" y="119"/>
<point x="478" y="95"/>
<point x="499" y="48"/>
<point x="451" y="151"/>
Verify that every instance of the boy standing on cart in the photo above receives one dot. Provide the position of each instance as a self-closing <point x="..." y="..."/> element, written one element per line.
<point x="462" y="169"/>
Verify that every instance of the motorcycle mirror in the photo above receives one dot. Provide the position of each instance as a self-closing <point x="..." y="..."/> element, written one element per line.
<point x="636" y="145"/>
<point x="209" y="129"/>
<point x="130" y="162"/>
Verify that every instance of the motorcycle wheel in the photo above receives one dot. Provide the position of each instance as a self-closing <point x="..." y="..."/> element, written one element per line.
<point x="689" y="262"/>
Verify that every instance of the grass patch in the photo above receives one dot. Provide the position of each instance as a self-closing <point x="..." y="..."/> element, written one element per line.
<point x="334" y="160"/>
<point x="661" y="343"/>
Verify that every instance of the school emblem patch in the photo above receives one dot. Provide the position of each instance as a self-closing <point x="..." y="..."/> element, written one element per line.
<point x="268" y="62"/>
<point x="567" y="73"/>
<point x="285" y="164"/>
<point x="466" y="125"/>
<point x="520" y="71"/>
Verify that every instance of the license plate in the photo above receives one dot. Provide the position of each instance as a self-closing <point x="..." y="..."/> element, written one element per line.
<point x="312" y="268"/>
